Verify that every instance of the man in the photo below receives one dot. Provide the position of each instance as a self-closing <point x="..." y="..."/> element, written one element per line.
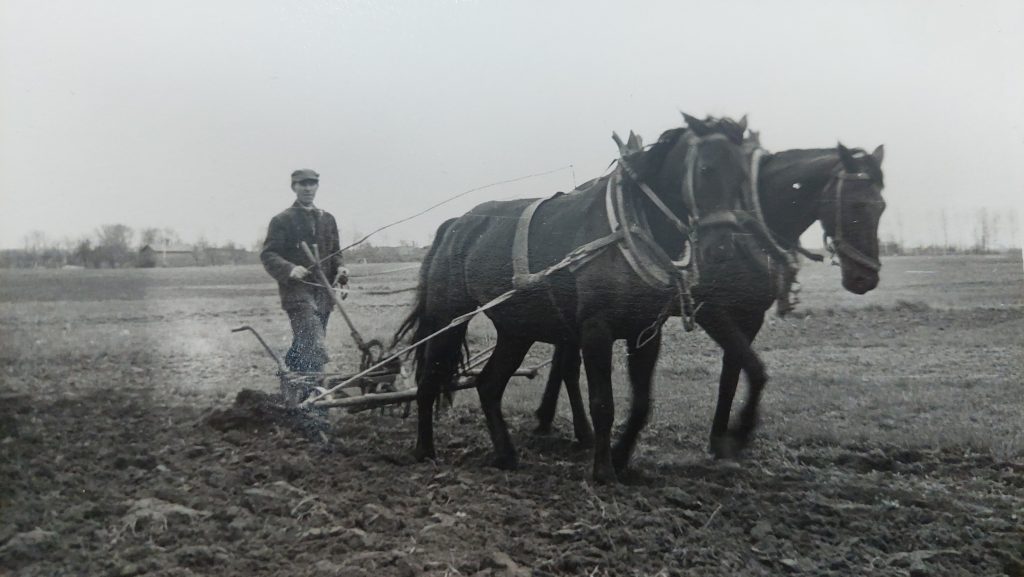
<point x="306" y="301"/>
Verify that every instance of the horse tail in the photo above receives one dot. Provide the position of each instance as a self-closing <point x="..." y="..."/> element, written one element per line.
<point x="417" y="321"/>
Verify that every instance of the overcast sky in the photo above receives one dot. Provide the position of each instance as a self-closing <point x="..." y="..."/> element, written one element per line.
<point x="191" y="114"/>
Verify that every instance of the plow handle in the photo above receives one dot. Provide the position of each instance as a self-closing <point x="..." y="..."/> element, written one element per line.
<point x="280" y="366"/>
<point x="337" y="301"/>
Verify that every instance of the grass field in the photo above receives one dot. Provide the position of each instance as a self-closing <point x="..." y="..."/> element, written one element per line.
<point x="930" y="364"/>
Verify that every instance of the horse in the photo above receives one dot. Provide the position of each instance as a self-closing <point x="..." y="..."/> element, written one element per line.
<point x="842" y="189"/>
<point x="688" y="185"/>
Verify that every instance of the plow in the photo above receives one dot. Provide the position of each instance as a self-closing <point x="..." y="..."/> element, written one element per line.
<point x="387" y="386"/>
<point x="382" y="380"/>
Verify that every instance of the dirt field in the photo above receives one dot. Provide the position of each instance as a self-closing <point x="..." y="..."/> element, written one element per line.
<point x="892" y="442"/>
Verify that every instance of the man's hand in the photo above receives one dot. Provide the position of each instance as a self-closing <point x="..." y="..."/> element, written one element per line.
<point x="340" y="293"/>
<point x="299" y="272"/>
<point x="341" y="278"/>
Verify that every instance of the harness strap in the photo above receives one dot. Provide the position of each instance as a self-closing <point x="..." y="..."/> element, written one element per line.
<point x="616" y="208"/>
<point x="520" y="247"/>
<point x="680" y="226"/>
<point x="855" y="255"/>
<point x="788" y="266"/>
<point x="811" y="255"/>
<point x="522" y="278"/>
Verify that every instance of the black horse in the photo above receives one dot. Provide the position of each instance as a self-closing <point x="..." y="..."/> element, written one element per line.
<point x="841" y="189"/>
<point x="695" y="178"/>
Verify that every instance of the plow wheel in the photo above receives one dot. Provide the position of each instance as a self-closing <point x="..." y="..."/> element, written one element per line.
<point x="372" y="353"/>
<point x="386" y="379"/>
<point x="383" y="379"/>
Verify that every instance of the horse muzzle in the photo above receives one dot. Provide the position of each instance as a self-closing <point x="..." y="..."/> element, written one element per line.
<point x="859" y="282"/>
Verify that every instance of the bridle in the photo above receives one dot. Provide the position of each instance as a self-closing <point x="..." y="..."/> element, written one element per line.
<point x="837" y="245"/>
<point x="695" y="222"/>
<point x="684" y="272"/>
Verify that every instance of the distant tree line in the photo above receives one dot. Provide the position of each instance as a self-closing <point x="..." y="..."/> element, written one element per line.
<point x="406" y="251"/>
<point x="119" y="246"/>
<point x="992" y="231"/>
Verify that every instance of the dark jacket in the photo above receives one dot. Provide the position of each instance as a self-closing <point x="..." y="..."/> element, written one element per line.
<point x="282" y="250"/>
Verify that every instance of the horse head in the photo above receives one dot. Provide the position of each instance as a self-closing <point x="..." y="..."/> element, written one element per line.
<point x="850" y="209"/>
<point x="719" y="175"/>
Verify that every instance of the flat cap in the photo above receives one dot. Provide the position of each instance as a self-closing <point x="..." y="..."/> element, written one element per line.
<point x="304" y="174"/>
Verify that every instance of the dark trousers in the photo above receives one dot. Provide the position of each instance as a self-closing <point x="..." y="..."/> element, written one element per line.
<point x="308" y="353"/>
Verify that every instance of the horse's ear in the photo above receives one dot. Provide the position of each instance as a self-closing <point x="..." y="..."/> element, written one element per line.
<point x="879" y="153"/>
<point x="743" y="123"/>
<point x="846" y="157"/>
<point x="696" y="125"/>
<point x="618" y="142"/>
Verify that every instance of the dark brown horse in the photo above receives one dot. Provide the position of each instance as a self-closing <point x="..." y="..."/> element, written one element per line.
<point x="841" y="189"/>
<point x="696" y="177"/>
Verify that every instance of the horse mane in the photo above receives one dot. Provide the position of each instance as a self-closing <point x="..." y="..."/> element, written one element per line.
<point x="728" y="127"/>
<point x="654" y="157"/>
<point x="797" y="164"/>
<point x="651" y="159"/>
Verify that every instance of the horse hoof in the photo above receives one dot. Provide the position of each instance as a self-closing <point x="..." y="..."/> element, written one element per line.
<point x="422" y="455"/>
<point x="543" y="429"/>
<point x="605" y="476"/>
<point x="506" y="462"/>
<point x="724" y="447"/>
<point x="742" y="439"/>
<point x="585" y="439"/>
<point x="584" y="444"/>
<point x="620" y="460"/>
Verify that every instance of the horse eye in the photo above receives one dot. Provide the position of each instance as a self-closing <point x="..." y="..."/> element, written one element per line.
<point x="704" y="169"/>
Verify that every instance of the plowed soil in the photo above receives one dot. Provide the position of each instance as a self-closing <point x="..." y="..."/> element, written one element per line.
<point x="891" y="444"/>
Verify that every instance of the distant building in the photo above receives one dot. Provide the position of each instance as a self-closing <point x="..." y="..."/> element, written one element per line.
<point x="168" y="256"/>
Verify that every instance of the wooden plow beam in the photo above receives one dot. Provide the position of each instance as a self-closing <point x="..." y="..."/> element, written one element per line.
<point x="377" y="388"/>
<point x="467" y="380"/>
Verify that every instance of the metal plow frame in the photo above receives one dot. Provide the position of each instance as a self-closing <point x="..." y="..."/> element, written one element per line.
<point x="376" y="389"/>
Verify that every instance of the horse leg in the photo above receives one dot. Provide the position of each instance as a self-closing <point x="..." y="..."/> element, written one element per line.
<point x="757" y="377"/>
<point x="549" y="401"/>
<point x="721" y="445"/>
<point x="571" y="375"/>
<point x="597" y="358"/>
<point x="440" y="363"/>
<point x="730" y="329"/>
<point x="641" y="362"/>
<point x="565" y="367"/>
<point x="508" y="354"/>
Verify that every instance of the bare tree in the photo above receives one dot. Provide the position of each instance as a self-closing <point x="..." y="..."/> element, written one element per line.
<point x="945" y="232"/>
<point x="150" y="236"/>
<point x="169" y="236"/>
<point x="1011" y="223"/>
<point x="202" y="253"/>
<point x="982" y="232"/>
<point x="35" y="244"/>
<point x="83" y="252"/>
<point x="114" y="243"/>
